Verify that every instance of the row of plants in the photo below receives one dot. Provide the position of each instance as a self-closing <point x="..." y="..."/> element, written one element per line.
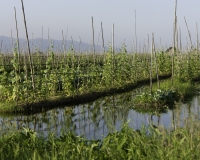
<point x="148" y="143"/>
<point x="66" y="75"/>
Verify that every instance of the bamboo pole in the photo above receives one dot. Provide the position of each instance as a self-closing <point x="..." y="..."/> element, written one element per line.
<point x="147" y="52"/>
<point x="180" y="54"/>
<point x="197" y="47"/>
<point x="1" y="45"/>
<point x="102" y="38"/>
<point x="26" y="75"/>
<point x="18" y="68"/>
<point x="93" y="41"/>
<point x="12" y="41"/>
<point x="135" y="33"/>
<point x="73" y="52"/>
<point x="157" y="74"/>
<point x="65" y="52"/>
<point x="151" y="61"/>
<point x="174" y="40"/>
<point x="49" y="43"/>
<point x="104" y="55"/>
<point x="176" y="35"/>
<point x="32" y="43"/>
<point x="189" y="34"/>
<point x="180" y="42"/>
<point x="136" y="74"/>
<point x="79" y="46"/>
<point x="80" y="52"/>
<point x="17" y="40"/>
<point x="72" y="44"/>
<point x="113" y="56"/>
<point x="63" y="42"/>
<point x="189" y="48"/>
<point x="42" y="40"/>
<point x="113" y="50"/>
<point x="147" y="43"/>
<point x="66" y="41"/>
<point x="30" y="59"/>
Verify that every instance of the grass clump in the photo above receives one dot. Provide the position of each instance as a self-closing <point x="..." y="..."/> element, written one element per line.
<point x="165" y="97"/>
<point x="157" y="98"/>
<point x="8" y="106"/>
<point x="148" y="143"/>
<point x="185" y="90"/>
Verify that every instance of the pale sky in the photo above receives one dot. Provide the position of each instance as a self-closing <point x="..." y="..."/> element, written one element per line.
<point x="75" y="16"/>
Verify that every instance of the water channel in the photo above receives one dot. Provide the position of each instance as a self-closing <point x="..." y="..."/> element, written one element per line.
<point x="97" y="119"/>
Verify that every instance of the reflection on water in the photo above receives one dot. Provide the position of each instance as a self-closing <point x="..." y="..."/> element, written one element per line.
<point x="93" y="120"/>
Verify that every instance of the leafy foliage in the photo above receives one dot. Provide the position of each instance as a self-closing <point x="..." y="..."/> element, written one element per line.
<point x="125" y="144"/>
<point x="70" y="74"/>
<point x="158" y="99"/>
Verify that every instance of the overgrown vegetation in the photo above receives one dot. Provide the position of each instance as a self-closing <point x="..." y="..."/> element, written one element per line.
<point x="157" y="99"/>
<point x="165" y="97"/>
<point x="68" y="75"/>
<point x="148" y="143"/>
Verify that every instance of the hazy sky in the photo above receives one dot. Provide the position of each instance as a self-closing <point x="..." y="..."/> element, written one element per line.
<point x="75" y="16"/>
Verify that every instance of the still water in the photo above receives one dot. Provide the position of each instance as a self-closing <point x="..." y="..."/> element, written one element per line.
<point x="95" y="120"/>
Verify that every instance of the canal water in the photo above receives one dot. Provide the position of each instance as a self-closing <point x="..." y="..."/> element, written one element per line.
<point x="95" y="120"/>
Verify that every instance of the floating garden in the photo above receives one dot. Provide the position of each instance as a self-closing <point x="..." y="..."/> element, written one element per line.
<point x="59" y="78"/>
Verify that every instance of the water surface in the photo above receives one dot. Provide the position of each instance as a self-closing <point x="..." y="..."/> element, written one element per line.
<point x="97" y="119"/>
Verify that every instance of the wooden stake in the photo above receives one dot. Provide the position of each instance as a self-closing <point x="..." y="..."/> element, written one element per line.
<point x="151" y="65"/>
<point x="1" y="45"/>
<point x="102" y="38"/>
<point x="17" y="40"/>
<point x="174" y="40"/>
<point x="93" y="41"/>
<point x="30" y="60"/>
<point x="79" y="45"/>
<point x="157" y="74"/>
<point x="189" y="34"/>
<point x="42" y="40"/>
<point x="135" y="33"/>
<point x="197" y="47"/>
<point x="113" y="49"/>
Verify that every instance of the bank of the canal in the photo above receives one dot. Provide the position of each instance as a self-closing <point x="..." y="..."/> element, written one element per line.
<point x="58" y="101"/>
